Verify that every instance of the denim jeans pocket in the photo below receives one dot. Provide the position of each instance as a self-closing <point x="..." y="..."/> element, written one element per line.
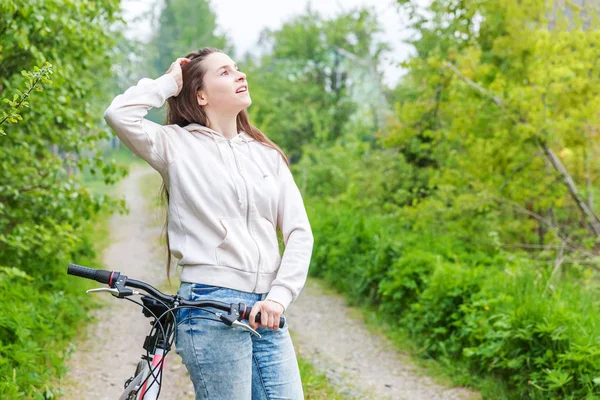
<point x="200" y="288"/>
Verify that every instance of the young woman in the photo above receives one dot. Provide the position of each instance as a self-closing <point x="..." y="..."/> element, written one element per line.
<point x="228" y="189"/>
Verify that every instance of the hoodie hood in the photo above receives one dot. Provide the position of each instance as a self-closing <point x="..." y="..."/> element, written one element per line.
<point x="194" y="127"/>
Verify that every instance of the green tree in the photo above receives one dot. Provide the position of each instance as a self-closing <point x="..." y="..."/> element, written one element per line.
<point x="301" y="87"/>
<point x="40" y="199"/>
<point x="45" y="209"/>
<point x="501" y="111"/>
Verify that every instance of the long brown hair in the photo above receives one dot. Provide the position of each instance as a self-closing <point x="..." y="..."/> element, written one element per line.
<point x="184" y="109"/>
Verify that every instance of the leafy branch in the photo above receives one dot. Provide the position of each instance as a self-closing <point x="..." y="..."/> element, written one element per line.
<point x="36" y="78"/>
<point x="585" y="209"/>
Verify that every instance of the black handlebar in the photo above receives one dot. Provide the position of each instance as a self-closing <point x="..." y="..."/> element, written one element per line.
<point x="111" y="278"/>
<point x="100" y="275"/>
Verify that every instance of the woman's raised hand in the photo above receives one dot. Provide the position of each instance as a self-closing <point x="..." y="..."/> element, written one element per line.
<point x="175" y="71"/>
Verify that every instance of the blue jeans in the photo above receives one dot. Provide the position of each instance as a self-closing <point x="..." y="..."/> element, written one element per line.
<point x="230" y="363"/>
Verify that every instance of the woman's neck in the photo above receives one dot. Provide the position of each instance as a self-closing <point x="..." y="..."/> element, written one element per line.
<point x="227" y="125"/>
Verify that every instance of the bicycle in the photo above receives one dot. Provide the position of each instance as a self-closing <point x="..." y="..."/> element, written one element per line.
<point x="160" y="307"/>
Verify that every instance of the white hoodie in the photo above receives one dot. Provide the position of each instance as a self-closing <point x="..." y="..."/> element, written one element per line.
<point x="226" y="198"/>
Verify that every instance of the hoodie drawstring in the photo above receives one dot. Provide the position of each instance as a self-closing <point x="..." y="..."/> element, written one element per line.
<point x="252" y="157"/>
<point x="212" y="135"/>
<point x="228" y="170"/>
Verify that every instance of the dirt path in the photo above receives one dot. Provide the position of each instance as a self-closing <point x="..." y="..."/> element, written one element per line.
<point x="112" y="346"/>
<point x="359" y="363"/>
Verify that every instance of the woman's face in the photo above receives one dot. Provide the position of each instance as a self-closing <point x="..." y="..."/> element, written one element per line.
<point x="221" y="84"/>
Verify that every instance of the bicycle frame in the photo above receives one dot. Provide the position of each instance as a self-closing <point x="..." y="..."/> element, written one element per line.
<point x="133" y="386"/>
<point x="146" y="381"/>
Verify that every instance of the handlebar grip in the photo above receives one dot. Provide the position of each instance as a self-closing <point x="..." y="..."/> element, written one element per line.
<point x="100" y="275"/>
<point x="281" y="320"/>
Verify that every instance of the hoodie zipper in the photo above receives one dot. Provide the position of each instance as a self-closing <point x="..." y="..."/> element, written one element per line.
<point x="247" y="212"/>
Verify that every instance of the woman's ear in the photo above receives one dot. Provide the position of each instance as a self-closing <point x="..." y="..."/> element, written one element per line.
<point x="201" y="98"/>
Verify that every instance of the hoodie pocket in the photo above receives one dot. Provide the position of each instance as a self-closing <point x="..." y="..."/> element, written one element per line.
<point x="269" y="245"/>
<point x="237" y="250"/>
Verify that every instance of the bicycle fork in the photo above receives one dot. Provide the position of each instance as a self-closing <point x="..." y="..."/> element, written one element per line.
<point x="146" y="381"/>
<point x="150" y="391"/>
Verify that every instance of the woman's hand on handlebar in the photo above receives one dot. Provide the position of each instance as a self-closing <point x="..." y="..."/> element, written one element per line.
<point x="270" y="314"/>
<point x="175" y="71"/>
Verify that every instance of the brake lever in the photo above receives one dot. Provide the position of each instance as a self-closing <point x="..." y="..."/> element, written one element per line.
<point x="114" y="291"/>
<point x="246" y="327"/>
<point x="232" y="320"/>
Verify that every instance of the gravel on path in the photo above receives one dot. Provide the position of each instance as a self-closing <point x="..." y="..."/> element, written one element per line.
<point x="363" y="365"/>
<point x="110" y="348"/>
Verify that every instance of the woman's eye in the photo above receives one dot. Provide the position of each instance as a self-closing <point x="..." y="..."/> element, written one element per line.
<point x="238" y="70"/>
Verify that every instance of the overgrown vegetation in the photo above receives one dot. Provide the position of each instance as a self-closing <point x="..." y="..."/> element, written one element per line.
<point x="48" y="217"/>
<point x="470" y="222"/>
<point x="460" y="204"/>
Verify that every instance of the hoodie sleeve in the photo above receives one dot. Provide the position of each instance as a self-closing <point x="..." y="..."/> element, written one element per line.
<point x="297" y="237"/>
<point x="125" y="115"/>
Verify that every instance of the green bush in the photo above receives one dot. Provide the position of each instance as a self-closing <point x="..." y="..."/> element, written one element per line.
<point x="442" y="315"/>
<point x="41" y="312"/>
<point x="405" y="280"/>
<point x="543" y="342"/>
<point x="495" y="313"/>
<point x="462" y="299"/>
<point x="47" y="213"/>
